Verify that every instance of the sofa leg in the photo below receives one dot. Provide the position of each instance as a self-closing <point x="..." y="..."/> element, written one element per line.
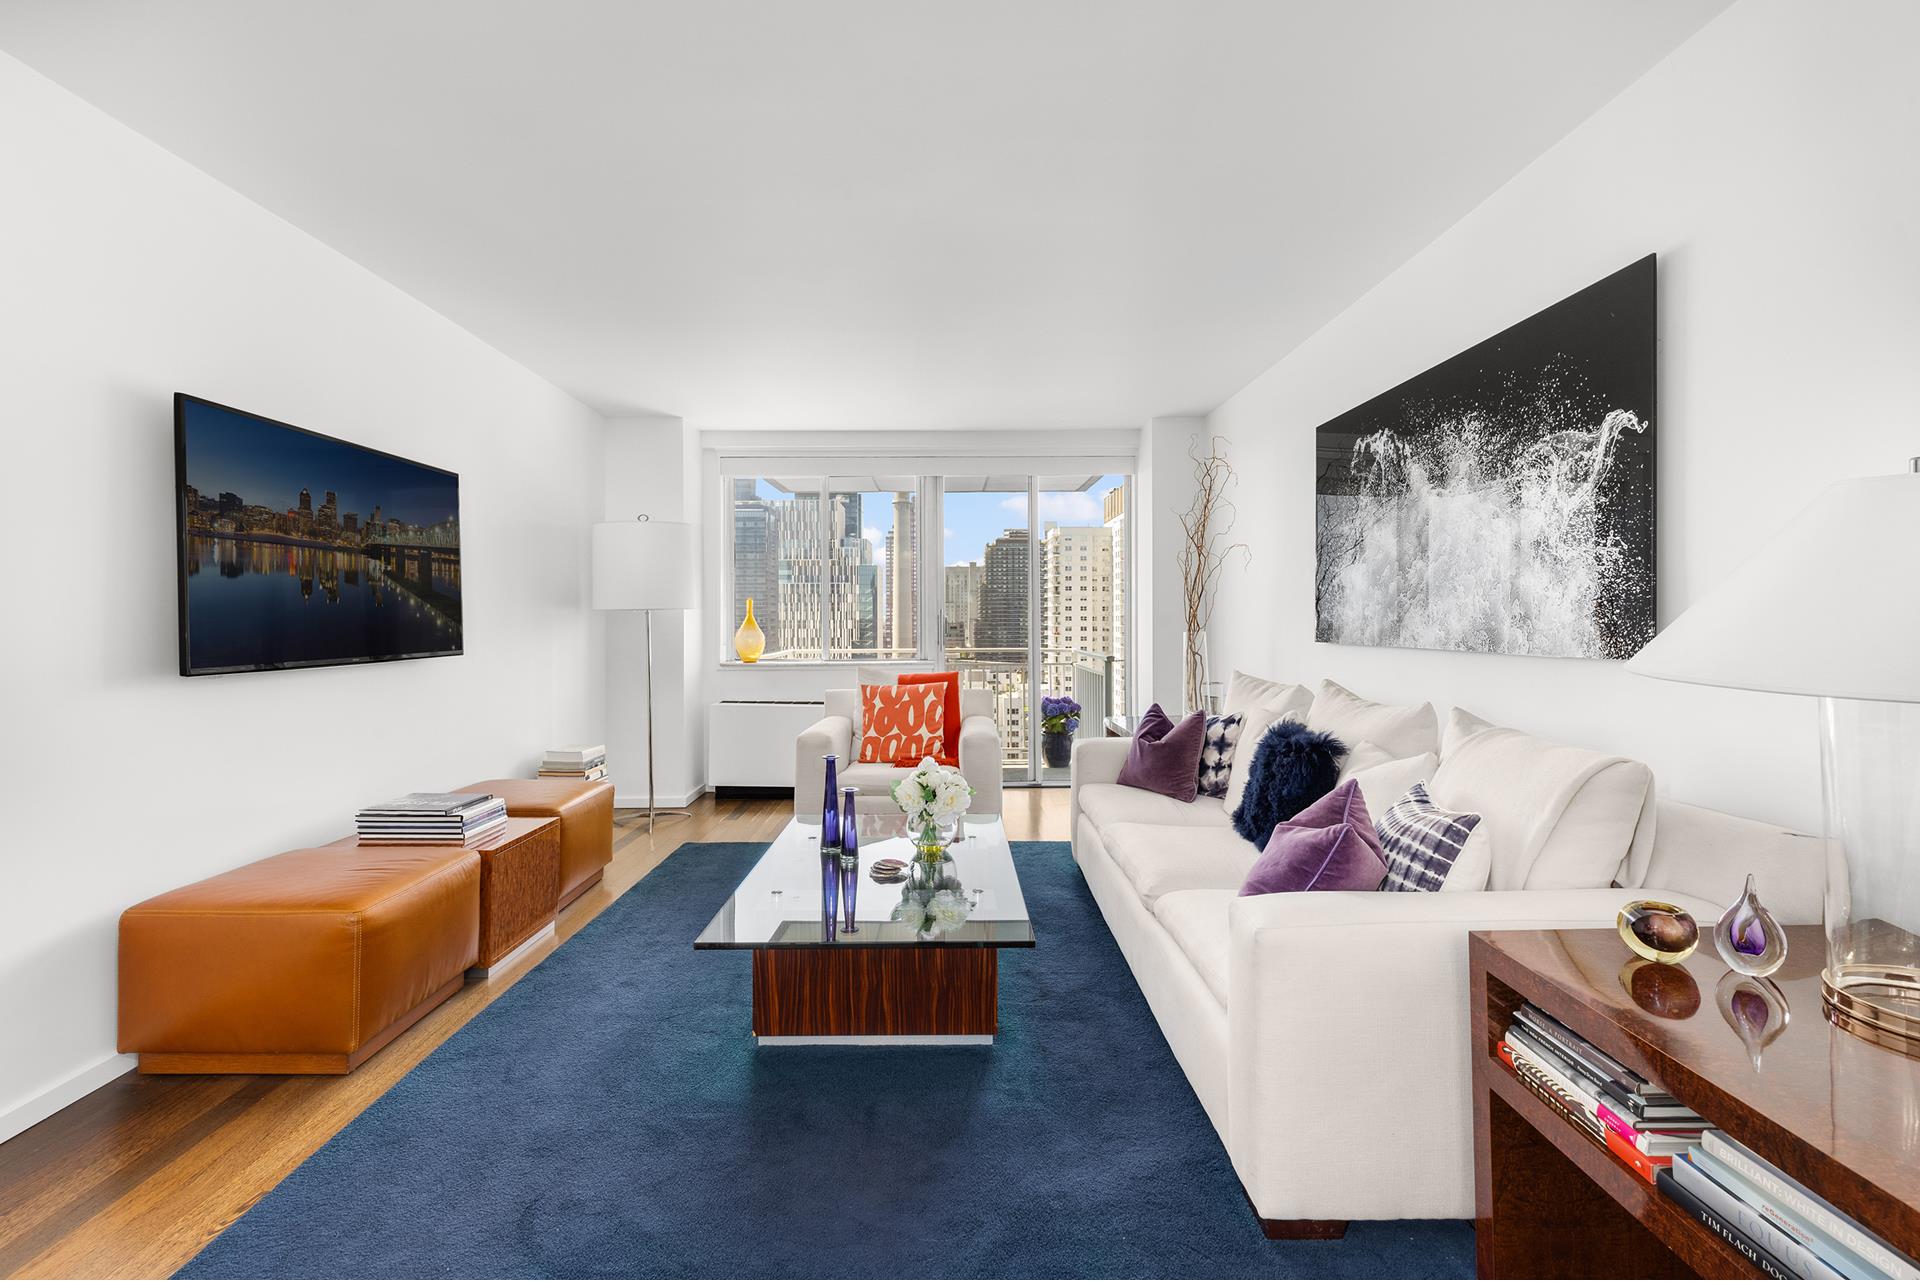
<point x="1303" y="1229"/>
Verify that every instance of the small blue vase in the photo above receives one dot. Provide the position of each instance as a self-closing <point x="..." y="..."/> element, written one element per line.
<point x="849" y="862"/>
<point x="829" y="895"/>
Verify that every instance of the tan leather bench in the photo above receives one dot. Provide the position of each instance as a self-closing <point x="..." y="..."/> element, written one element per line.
<point x="585" y="811"/>
<point x="308" y="961"/>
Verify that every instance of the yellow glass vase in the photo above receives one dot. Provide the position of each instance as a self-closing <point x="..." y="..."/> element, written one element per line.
<point x="749" y="642"/>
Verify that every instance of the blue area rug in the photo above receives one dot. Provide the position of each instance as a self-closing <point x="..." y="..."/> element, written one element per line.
<point x="609" y="1116"/>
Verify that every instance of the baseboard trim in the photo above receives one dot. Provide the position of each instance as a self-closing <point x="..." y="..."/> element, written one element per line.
<point x="24" y="1116"/>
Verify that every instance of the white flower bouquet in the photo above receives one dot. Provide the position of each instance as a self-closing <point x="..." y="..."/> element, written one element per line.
<point x="933" y="797"/>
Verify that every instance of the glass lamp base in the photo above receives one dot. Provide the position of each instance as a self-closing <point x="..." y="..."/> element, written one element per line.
<point x="1878" y="1003"/>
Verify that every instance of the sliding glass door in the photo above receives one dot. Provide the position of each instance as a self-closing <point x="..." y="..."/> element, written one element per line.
<point x="1030" y="604"/>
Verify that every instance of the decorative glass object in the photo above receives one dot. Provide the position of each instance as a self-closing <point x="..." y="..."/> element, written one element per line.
<point x="1748" y="938"/>
<point x="1870" y="775"/>
<point x="1662" y="990"/>
<point x="1755" y="1008"/>
<point x="829" y="895"/>
<point x="749" y="642"/>
<point x="830" y="807"/>
<point x="849" y="862"/>
<point x="1658" y="931"/>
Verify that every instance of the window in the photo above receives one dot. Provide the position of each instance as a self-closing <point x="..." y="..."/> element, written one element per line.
<point x="874" y="602"/>
<point x="777" y="541"/>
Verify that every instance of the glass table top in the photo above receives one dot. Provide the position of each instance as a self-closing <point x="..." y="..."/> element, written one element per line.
<point x="781" y="901"/>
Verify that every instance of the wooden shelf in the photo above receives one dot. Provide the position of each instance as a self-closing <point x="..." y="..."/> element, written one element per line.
<point x="1553" y="1201"/>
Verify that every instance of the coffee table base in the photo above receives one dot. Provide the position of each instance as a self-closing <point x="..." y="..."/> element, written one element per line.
<point x="876" y="995"/>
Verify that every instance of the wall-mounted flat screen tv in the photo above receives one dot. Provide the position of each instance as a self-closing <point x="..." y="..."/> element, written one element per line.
<point x="300" y="550"/>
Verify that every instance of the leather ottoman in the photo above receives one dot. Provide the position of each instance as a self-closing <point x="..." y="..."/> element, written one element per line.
<point x="585" y="811"/>
<point x="308" y="961"/>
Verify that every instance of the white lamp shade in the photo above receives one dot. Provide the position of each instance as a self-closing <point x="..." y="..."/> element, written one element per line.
<point x="1829" y="606"/>
<point x="643" y="564"/>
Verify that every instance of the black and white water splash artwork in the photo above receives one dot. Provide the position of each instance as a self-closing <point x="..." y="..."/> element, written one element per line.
<point x="1503" y="501"/>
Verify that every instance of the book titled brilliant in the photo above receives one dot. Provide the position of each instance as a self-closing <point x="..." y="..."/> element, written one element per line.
<point x="1777" y="1224"/>
<point x="432" y="818"/>
<point x="584" y="763"/>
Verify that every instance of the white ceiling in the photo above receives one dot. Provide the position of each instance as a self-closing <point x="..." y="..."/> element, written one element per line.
<point x="865" y="213"/>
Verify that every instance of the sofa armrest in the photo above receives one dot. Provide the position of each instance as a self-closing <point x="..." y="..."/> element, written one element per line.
<point x="982" y="763"/>
<point x="1094" y="760"/>
<point x="1348" y="1033"/>
<point x="830" y="735"/>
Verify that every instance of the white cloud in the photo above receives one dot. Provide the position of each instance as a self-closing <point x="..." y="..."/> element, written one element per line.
<point x="1070" y="508"/>
<point x="949" y="534"/>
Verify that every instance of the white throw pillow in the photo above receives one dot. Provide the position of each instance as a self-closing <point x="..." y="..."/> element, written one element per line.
<point x="1244" y="693"/>
<point x="1401" y="731"/>
<point x="1252" y="729"/>
<point x="1559" y="817"/>
<point x="1382" y="779"/>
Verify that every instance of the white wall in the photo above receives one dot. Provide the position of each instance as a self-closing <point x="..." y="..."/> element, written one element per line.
<point x="1770" y="161"/>
<point x="129" y="275"/>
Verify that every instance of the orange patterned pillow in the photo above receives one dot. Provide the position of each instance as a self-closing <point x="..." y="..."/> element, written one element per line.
<point x="902" y="724"/>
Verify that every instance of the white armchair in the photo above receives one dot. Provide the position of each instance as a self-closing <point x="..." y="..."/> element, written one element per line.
<point x="837" y="733"/>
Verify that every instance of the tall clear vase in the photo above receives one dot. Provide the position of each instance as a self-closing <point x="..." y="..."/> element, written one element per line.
<point x="1194" y="648"/>
<point x="1870" y="775"/>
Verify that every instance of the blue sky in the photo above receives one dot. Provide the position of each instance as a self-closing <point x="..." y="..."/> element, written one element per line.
<point x="973" y="520"/>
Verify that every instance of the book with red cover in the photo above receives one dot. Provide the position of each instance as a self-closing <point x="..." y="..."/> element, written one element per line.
<point x="1647" y="1167"/>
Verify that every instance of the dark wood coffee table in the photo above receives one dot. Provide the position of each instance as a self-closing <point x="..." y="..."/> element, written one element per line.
<point x="1833" y="1111"/>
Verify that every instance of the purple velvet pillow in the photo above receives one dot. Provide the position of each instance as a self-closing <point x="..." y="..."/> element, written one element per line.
<point x="1165" y="757"/>
<point x="1330" y="845"/>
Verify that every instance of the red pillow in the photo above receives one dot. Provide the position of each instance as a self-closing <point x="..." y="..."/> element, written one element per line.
<point x="902" y="726"/>
<point x="950" y="754"/>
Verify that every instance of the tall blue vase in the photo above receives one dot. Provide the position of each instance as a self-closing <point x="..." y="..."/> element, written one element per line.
<point x="830" y="807"/>
<point x="849" y="862"/>
<point x="829" y="895"/>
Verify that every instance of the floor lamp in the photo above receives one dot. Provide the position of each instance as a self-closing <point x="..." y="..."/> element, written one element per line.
<point x="647" y="565"/>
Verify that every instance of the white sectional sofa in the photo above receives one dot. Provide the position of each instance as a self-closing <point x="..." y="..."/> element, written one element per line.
<point x="1326" y="1033"/>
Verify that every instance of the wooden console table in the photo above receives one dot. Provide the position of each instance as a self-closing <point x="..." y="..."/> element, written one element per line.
<point x="1828" y="1108"/>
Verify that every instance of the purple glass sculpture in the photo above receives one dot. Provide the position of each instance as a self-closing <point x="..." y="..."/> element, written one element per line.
<point x="830" y="807"/>
<point x="829" y="895"/>
<point x="1749" y="940"/>
<point x="849" y="862"/>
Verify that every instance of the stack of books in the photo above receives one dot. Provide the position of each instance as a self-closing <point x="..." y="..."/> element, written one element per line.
<point x="1780" y="1226"/>
<point x="587" y="763"/>
<point x="1784" y="1229"/>
<point x="1639" y="1122"/>
<point x="432" y="818"/>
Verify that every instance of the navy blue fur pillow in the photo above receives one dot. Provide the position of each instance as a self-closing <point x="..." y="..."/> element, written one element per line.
<point x="1293" y="767"/>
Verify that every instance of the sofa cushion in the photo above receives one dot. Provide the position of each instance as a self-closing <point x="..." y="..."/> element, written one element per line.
<point x="1109" y="803"/>
<point x="1163" y="860"/>
<point x="1253" y="727"/>
<point x="1384" y="780"/>
<point x="902" y="724"/>
<point x="1430" y="848"/>
<point x="1250" y="693"/>
<point x="1197" y="921"/>
<point x="1330" y="845"/>
<point x="1217" y="753"/>
<point x="1165" y="757"/>
<point x="1292" y="767"/>
<point x="1399" y="730"/>
<point x="1559" y="817"/>
<point x="950" y="730"/>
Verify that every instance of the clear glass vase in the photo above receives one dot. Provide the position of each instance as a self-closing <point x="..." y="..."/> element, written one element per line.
<point x="1870" y="775"/>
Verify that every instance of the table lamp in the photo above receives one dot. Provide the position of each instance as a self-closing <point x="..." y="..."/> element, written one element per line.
<point x="644" y="564"/>
<point x="1830" y="608"/>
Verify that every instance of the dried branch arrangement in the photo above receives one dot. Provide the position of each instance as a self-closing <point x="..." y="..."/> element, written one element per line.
<point x="1203" y="554"/>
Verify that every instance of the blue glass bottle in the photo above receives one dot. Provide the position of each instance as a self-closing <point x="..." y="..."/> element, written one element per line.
<point x="830" y="808"/>
<point x="829" y="895"/>
<point x="849" y="862"/>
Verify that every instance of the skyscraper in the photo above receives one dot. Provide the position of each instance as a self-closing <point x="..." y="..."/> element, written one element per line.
<point x="903" y="577"/>
<point x="1076" y="592"/>
<point x="328" y="517"/>
<point x="756" y="572"/>
<point x="305" y="507"/>
<point x="1003" y="592"/>
<point x="1114" y="509"/>
<point x="963" y="604"/>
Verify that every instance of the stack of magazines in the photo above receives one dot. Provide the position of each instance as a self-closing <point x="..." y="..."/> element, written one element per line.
<point x="1782" y="1227"/>
<point x="585" y="763"/>
<point x="432" y="818"/>
<point x="1639" y="1122"/>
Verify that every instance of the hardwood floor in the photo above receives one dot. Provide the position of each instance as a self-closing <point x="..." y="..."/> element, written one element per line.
<point x="134" y="1179"/>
